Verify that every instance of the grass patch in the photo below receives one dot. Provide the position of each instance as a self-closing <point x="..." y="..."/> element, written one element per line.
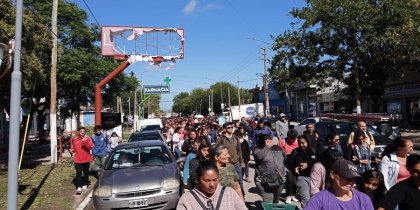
<point x="43" y="187"/>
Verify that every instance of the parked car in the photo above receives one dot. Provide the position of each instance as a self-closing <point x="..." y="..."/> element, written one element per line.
<point x="344" y="128"/>
<point x="139" y="175"/>
<point x="147" y="135"/>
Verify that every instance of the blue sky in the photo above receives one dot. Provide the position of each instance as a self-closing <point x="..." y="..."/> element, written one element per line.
<point x="223" y="38"/>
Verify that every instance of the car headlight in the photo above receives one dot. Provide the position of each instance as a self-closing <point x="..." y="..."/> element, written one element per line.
<point x="103" y="192"/>
<point x="170" y="184"/>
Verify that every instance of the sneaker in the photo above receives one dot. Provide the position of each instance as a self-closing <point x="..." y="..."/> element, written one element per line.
<point x="294" y="199"/>
<point x="79" y="191"/>
<point x="247" y="179"/>
<point x="289" y="199"/>
<point x="84" y="188"/>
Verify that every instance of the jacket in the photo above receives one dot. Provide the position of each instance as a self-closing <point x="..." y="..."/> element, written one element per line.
<point x="268" y="160"/>
<point x="389" y="167"/>
<point x="100" y="143"/>
<point x="81" y="149"/>
<point x="234" y="148"/>
<point x="299" y="156"/>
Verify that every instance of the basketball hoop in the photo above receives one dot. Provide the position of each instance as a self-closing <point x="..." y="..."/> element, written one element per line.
<point x="153" y="45"/>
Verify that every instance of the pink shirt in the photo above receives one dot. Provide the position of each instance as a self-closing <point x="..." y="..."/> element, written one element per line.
<point x="288" y="146"/>
<point x="403" y="173"/>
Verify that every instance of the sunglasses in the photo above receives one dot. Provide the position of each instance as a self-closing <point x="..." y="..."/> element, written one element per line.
<point x="210" y="205"/>
<point x="229" y="127"/>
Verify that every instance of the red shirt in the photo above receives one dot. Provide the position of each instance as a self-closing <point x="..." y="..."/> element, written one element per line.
<point x="81" y="149"/>
<point x="288" y="147"/>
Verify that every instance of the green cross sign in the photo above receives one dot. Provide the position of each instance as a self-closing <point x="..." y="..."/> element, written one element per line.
<point x="167" y="80"/>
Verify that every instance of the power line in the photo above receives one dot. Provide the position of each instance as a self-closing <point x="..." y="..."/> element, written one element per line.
<point x="245" y="59"/>
<point x="40" y="19"/>
<point x="97" y="22"/>
<point x="243" y="19"/>
<point x="245" y="66"/>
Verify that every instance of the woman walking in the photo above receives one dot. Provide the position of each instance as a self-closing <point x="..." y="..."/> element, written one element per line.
<point x="269" y="160"/>
<point x="80" y="147"/>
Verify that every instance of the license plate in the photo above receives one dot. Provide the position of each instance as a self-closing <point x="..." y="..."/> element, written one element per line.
<point x="138" y="203"/>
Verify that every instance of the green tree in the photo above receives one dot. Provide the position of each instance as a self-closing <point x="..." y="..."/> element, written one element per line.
<point x="182" y="103"/>
<point x="35" y="56"/>
<point x="361" y="43"/>
<point x="198" y="99"/>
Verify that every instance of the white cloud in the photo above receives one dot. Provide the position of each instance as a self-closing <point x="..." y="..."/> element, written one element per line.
<point x="190" y="7"/>
<point x="209" y="7"/>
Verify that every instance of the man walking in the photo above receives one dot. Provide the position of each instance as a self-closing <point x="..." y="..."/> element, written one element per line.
<point x="234" y="148"/>
<point x="282" y="127"/>
<point x="261" y="129"/>
<point x="100" y="146"/>
<point x="362" y="128"/>
<point x="312" y="138"/>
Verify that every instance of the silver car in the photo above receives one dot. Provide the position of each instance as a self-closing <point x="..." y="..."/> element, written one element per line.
<point x="140" y="175"/>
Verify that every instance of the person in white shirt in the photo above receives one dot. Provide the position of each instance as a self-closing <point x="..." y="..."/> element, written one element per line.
<point x="114" y="140"/>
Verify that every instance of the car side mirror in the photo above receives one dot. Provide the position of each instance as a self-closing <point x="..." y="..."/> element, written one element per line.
<point x="96" y="169"/>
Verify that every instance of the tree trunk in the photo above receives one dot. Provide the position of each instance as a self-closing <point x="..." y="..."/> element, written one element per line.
<point x="357" y="88"/>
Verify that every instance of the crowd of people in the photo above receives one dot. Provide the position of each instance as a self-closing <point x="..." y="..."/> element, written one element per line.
<point x="317" y="173"/>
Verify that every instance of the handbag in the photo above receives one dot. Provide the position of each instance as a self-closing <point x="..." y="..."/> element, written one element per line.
<point x="273" y="180"/>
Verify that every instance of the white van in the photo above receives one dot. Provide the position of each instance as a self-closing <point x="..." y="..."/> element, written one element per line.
<point x="153" y="121"/>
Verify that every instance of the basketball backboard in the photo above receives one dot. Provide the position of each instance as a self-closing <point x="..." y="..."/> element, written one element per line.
<point x="154" y="45"/>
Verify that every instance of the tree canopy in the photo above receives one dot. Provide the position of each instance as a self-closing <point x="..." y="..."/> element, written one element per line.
<point x="198" y="99"/>
<point x="361" y="43"/>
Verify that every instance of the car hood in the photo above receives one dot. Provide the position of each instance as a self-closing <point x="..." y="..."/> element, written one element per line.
<point x="145" y="177"/>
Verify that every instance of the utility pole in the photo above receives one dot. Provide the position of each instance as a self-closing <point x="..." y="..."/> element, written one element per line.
<point x="209" y="104"/>
<point x="129" y="107"/>
<point x="265" y="83"/>
<point x="212" y="101"/>
<point x="15" y="94"/>
<point x="53" y="97"/>
<point x="229" y="96"/>
<point x="239" y="99"/>
<point x="135" y="110"/>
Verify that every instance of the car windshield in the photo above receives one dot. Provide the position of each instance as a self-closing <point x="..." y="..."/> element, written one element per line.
<point x="145" y="136"/>
<point x="139" y="157"/>
<point x="151" y="127"/>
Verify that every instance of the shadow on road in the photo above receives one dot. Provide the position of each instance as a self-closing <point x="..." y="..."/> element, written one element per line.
<point x="254" y="205"/>
<point x="35" y="192"/>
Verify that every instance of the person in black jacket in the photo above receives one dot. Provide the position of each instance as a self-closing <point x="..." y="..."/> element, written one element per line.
<point x="246" y="151"/>
<point x="300" y="162"/>
<point x="188" y="146"/>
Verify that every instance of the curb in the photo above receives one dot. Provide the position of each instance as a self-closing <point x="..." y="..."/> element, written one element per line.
<point x="85" y="202"/>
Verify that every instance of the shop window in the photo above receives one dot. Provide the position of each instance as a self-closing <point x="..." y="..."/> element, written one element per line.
<point x="414" y="109"/>
<point x="393" y="107"/>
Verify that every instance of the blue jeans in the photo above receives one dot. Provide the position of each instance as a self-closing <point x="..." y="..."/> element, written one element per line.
<point x="245" y="171"/>
<point x="303" y="185"/>
<point x="239" y="173"/>
<point x="178" y="152"/>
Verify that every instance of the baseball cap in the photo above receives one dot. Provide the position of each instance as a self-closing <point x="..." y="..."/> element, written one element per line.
<point x="345" y="168"/>
<point x="282" y="115"/>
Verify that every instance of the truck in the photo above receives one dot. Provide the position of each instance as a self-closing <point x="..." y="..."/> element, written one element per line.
<point x="245" y="110"/>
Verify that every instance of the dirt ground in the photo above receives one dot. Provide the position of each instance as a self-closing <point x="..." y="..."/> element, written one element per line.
<point x="44" y="187"/>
